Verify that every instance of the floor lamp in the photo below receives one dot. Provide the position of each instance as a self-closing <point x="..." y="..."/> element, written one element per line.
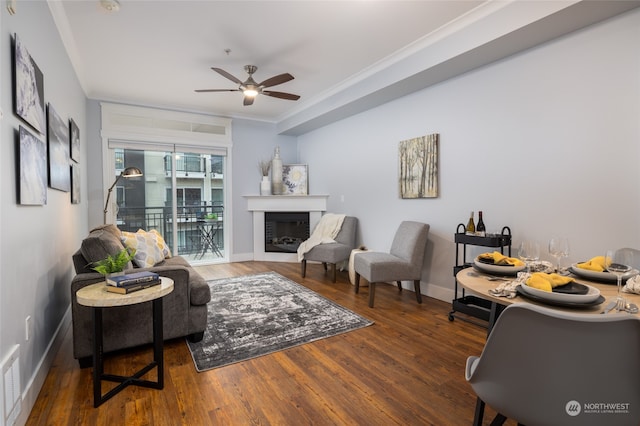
<point x="127" y="173"/>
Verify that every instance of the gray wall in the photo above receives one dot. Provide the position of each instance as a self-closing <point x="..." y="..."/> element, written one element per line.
<point x="36" y="242"/>
<point x="545" y="141"/>
<point x="252" y="142"/>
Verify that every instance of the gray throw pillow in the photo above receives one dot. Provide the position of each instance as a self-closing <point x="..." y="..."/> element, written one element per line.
<point x="100" y="244"/>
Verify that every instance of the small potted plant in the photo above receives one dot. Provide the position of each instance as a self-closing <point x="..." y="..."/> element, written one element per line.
<point x="265" y="185"/>
<point x="114" y="265"/>
<point x="211" y="217"/>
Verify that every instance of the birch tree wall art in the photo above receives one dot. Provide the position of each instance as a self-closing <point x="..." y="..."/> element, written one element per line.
<point x="419" y="167"/>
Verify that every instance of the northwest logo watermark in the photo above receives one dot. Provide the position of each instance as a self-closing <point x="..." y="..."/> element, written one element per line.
<point x="574" y="408"/>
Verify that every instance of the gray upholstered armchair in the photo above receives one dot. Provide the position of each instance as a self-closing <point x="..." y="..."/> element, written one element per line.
<point x="403" y="262"/>
<point x="334" y="253"/>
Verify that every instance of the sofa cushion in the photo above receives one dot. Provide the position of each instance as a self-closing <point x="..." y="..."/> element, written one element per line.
<point x="101" y="243"/>
<point x="148" y="251"/>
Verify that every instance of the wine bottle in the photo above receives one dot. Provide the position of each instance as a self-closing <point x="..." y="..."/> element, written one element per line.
<point x="480" y="229"/>
<point x="471" y="227"/>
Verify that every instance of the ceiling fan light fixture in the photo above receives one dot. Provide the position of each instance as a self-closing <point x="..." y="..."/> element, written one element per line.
<point x="250" y="92"/>
<point x="251" y="89"/>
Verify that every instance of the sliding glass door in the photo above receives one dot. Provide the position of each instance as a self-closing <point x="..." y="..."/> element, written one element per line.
<point x="181" y="195"/>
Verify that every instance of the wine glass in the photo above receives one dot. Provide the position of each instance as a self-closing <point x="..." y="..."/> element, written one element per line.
<point x="529" y="252"/>
<point x="559" y="248"/>
<point x="618" y="262"/>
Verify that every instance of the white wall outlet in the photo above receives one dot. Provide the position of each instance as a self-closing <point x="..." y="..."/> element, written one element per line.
<point x="27" y="328"/>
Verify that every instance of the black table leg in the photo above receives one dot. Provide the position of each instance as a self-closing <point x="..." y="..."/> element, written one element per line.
<point x="135" y="379"/>
<point x="97" y="356"/>
<point x="158" y="341"/>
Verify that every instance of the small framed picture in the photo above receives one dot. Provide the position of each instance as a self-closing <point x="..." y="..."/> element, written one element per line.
<point x="295" y="179"/>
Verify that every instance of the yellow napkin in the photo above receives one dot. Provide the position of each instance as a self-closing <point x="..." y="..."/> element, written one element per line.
<point x="500" y="259"/>
<point x="546" y="282"/>
<point x="596" y="264"/>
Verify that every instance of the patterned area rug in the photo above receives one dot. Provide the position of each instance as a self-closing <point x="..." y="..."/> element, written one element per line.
<point x="255" y="315"/>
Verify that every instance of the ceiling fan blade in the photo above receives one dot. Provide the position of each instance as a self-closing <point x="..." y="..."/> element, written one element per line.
<point x="278" y="79"/>
<point x="226" y="74"/>
<point x="281" y="95"/>
<point x="248" y="100"/>
<point x="216" y="90"/>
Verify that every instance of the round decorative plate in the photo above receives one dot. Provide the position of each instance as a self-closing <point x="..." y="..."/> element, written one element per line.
<point x="563" y="304"/>
<point x="600" y="276"/>
<point x="591" y="294"/>
<point x="497" y="269"/>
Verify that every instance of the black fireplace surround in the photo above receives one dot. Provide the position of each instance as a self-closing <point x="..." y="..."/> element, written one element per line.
<point x="285" y="231"/>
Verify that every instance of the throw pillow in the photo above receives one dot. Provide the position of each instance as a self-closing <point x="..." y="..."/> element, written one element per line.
<point x="145" y="244"/>
<point x="99" y="244"/>
<point x="166" y="252"/>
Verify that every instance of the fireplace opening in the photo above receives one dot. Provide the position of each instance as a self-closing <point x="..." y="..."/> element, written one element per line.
<point x="285" y="231"/>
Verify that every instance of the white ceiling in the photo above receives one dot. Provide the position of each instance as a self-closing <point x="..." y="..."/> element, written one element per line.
<point x="158" y="52"/>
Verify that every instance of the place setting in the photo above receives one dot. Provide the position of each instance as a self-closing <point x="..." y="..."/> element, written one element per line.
<point x="539" y="281"/>
<point x="556" y="286"/>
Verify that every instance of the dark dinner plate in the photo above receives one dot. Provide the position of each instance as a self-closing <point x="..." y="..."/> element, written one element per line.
<point x="572" y="288"/>
<point x="491" y="262"/>
<point x="564" y="304"/>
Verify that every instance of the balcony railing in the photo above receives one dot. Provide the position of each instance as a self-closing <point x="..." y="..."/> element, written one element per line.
<point x="190" y="163"/>
<point x="195" y="224"/>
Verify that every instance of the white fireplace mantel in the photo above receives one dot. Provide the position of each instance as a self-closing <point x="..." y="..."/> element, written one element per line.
<point x="258" y="204"/>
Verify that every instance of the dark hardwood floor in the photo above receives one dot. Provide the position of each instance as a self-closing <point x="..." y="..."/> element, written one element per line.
<point x="406" y="369"/>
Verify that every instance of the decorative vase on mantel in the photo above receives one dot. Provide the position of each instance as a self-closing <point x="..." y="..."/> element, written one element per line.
<point x="276" y="174"/>
<point x="265" y="186"/>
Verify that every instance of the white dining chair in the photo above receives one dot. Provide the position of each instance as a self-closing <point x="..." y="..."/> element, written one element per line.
<point x="542" y="366"/>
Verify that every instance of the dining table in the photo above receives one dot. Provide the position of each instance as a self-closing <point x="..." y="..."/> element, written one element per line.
<point x="479" y="283"/>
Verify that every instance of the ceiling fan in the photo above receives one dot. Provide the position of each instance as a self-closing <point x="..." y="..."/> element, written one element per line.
<point x="251" y="89"/>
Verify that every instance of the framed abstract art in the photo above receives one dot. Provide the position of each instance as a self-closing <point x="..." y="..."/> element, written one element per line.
<point x="418" y="166"/>
<point x="74" y="140"/>
<point x="32" y="182"/>
<point x="29" y="88"/>
<point x="295" y="179"/>
<point x="75" y="183"/>
<point x="58" y="137"/>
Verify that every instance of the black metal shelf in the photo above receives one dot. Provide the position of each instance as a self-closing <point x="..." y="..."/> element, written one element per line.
<point x="473" y="306"/>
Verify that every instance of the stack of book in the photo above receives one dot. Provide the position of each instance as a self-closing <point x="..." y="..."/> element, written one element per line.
<point x="128" y="283"/>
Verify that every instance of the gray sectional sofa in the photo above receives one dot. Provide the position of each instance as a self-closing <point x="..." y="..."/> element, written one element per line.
<point x="184" y="309"/>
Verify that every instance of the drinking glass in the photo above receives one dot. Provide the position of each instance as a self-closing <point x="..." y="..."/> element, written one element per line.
<point x="559" y="249"/>
<point x="618" y="262"/>
<point x="529" y="252"/>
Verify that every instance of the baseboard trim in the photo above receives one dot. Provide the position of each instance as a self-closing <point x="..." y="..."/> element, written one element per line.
<point x="33" y="387"/>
